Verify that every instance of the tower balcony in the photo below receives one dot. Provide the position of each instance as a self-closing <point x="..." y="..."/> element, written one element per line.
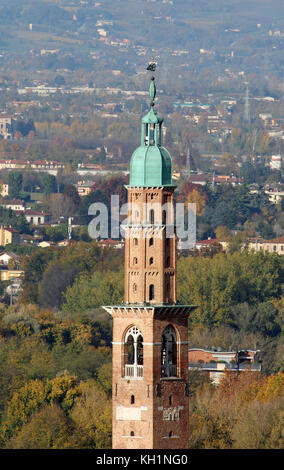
<point x="133" y="371"/>
<point x="169" y="370"/>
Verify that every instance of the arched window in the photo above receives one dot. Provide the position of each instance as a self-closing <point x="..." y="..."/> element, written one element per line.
<point x="132" y="433"/>
<point x="132" y="399"/>
<point x="134" y="287"/>
<point x="151" y="241"/>
<point x="152" y="216"/>
<point x="151" y="292"/>
<point x="133" y="353"/>
<point x="135" y="260"/>
<point x="151" y="260"/>
<point x="135" y="241"/>
<point x="169" y="353"/>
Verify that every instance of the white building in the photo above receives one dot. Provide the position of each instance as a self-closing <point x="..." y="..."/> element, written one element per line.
<point x="275" y="162"/>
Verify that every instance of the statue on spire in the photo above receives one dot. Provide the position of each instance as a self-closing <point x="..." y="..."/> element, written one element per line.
<point x="152" y="65"/>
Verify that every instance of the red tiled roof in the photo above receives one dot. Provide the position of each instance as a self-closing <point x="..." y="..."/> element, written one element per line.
<point x="208" y="242"/>
<point x="31" y="212"/>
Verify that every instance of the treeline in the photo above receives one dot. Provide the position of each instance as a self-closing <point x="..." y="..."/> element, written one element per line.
<point x="55" y="354"/>
<point x="240" y="302"/>
<point x="238" y="209"/>
<point x="244" y="412"/>
<point x="50" y="272"/>
<point x="239" y="295"/>
<point x="55" y="379"/>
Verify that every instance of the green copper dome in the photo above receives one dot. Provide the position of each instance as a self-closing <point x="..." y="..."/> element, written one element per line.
<point x="151" y="163"/>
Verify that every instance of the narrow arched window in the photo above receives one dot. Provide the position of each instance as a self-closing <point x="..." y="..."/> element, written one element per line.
<point x="151" y="292"/>
<point x="133" y="366"/>
<point x="169" y="353"/>
<point x="135" y="241"/>
<point x="130" y="349"/>
<point x="151" y="241"/>
<point x="135" y="260"/>
<point x="152" y="216"/>
<point x="151" y="260"/>
<point x="132" y="399"/>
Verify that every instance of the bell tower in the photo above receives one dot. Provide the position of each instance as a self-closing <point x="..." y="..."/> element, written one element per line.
<point x="150" y="330"/>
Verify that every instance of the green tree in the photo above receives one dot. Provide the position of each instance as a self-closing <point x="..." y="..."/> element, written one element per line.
<point x="87" y="293"/>
<point x="49" y="184"/>
<point x="48" y="428"/>
<point x="15" y="180"/>
<point x="56" y="278"/>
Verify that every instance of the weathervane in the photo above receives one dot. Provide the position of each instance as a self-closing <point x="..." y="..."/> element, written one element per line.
<point x="152" y="90"/>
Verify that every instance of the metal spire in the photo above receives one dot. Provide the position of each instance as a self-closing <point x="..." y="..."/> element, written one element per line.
<point x="152" y="90"/>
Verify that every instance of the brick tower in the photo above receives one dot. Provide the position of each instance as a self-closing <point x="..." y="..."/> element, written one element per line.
<point x="150" y="331"/>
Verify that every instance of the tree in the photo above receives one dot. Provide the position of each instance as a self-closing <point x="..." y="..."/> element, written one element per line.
<point x="71" y="192"/>
<point x="198" y="199"/>
<point x="92" y="415"/>
<point x="61" y="206"/>
<point x="229" y="162"/>
<point x="49" y="184"/>
<point x="63" y="389"/>
<point x="48" y="428"/>
<point x="216" y="284"/>
<point x="34" y="267"/>
<point x="87" y="293"/>
<point x="15" y="180"/>
<point x="56" y="279"/>
<point x="223" y="233"/>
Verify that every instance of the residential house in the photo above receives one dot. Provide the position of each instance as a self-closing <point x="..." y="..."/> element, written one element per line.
<point x="275" y="196"/>
<point x="275" y="162"/>
<point x="6" y="257"/>
<point x="13" y="164"/>
<point x="276" y="245"/>
<point x="10" y="274"/>
<point x="46" y="165"/>
<point x="215" y="362"/>
<point x="15" y="204"/>
<point x="210" y="243"/>
<point x="37" y="217"/>
<point x="7" y="126"/>
<point x="203" y="179"/>
<point x="8" y="235"/>
<point x="107" y="243"/>
<point x="46" y="244"/>
<point x="84" y="187"/>
<point x="4" y="189"/>
<point x="26" y="239"/>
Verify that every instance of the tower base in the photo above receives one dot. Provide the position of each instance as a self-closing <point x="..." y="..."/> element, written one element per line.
<point x="150" y="398"/>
